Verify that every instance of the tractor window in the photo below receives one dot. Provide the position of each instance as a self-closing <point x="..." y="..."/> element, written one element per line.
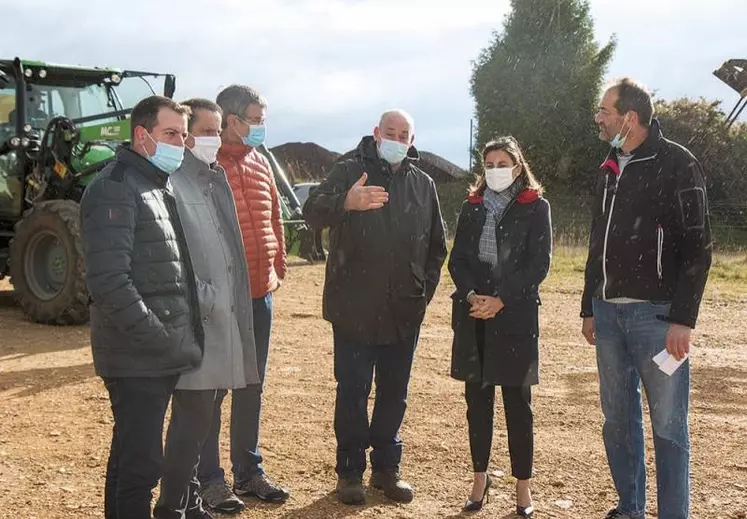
<point x="134" y="89"/>
<point x="7" y="102"/>
<point x="78" y="102"/>
<point x="7" y="109"/>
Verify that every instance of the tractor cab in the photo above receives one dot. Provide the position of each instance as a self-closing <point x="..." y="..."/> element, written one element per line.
<point x="58" y="121"/>
<point x="59" y="126"/>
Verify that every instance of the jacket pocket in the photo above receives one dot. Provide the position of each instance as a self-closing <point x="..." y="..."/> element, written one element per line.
<point x="659" y="249"/>
<point x="206" y="297"/>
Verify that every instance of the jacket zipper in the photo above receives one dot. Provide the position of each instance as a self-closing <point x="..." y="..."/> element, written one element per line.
<point x="609" y="223"/>
<point x="659" y="249"/>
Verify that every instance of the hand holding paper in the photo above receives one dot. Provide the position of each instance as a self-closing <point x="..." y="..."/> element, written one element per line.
<point x="668" y="363"/>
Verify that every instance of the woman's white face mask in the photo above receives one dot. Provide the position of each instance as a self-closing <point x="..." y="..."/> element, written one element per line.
<point x="499" y="179"/>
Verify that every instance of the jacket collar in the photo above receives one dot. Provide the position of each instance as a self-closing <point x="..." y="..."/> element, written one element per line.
<point x="526" y="196"/>
<point x="234" y="151"/>
<point x="648" y="148"/>
<point x="129" y="157"/>
<point x="192" y="163"/>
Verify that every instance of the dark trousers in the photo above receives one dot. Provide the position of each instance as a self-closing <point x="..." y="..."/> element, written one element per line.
<point x="136" y="456"/>
<point x="191" y="416"/>
<point x="517" y="404"/>
<point x="246" y="404"/>
<point x="355" y="364"/>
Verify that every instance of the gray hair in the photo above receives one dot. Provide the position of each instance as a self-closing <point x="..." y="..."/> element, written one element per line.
<point x="401" y="113"/>
<point x="235" y="100"/>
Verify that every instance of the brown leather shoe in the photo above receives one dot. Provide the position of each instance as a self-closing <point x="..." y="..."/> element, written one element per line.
<point x="350" y="490"/>
<point x="394" y="488"/>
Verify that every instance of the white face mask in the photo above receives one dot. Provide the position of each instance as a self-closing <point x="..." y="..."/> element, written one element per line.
<point x="206" y="149"/>
<point x="499" y="179"/>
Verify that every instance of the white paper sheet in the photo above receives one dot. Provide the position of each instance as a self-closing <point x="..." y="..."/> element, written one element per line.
<point x="667" y="363"/>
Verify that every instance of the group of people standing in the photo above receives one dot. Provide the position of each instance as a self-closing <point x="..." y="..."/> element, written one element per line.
<point x="184" y="248"/>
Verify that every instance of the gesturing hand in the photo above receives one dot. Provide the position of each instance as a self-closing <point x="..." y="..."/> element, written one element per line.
<point x="361" y="197"/>
<point x="485" y="307"/>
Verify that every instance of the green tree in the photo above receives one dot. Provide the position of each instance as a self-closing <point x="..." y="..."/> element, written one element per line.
<point x="539" y="80"/>
<point x="700" y="126"/>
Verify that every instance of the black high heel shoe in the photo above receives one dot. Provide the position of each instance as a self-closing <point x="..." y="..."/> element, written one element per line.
<point x="525" y="511"/>
<point x="476" y="506"/>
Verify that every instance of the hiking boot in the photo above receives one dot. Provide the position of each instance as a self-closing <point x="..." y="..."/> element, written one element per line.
<point x="350" y="490"/>
<point x="617" y="514"/>
<point x="218" y="496"/>
<point x="394" y="488"/>
<point x="261" y="487"/>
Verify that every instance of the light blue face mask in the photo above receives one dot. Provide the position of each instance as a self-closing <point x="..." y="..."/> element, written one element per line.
<point x="256" y="136"/>
<point x="167" y="157"/>
<point x="618" y="141"/>
<point x="393" y="152"/>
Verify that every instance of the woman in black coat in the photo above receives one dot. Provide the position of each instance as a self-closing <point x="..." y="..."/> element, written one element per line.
<point x="501" y="254"/>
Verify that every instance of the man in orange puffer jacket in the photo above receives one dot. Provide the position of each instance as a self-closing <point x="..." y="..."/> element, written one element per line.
<point x="258" y="207"/>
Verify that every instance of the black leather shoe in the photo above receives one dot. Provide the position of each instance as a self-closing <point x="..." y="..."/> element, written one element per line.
<point x="525" y="511"/>
<point x="476" y="506"/>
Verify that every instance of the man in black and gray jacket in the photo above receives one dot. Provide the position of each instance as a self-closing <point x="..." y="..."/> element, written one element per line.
<point x="145" y="323"/>
<point x="649" y="256"/>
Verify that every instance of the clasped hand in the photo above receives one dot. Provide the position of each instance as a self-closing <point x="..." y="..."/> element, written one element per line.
<point x="484" y="307"/>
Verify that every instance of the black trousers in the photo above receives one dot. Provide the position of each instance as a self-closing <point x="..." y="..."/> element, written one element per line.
<point x="136" y="457"/>
<point x="517" y="406"/>
<point x="191" y="417"/>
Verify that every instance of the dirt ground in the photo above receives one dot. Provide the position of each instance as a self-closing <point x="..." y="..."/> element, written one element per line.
<point x="55" y="421"/>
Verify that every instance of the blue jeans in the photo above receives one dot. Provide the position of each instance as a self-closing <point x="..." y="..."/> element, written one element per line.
<point x="355" y="365"/>
<point x="628" y="336"/>
<point x="246" y="404"/>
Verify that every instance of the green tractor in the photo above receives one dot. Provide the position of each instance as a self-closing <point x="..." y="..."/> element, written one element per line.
<point x="59" y="126"/>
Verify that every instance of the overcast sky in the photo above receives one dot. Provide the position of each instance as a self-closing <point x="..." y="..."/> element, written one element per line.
<point x="330" y="67"/>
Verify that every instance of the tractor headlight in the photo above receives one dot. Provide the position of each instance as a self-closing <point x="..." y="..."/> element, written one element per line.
<point x="25" y="142"/>
<point x="15" y="142"/>
<point x="28" y="72"/>
<point x="42" y="73"/>
<point x="116" y="79"/>
<point x="27" y="128"/>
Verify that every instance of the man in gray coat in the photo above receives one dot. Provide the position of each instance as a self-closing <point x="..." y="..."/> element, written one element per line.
<point x="206" y="209"/>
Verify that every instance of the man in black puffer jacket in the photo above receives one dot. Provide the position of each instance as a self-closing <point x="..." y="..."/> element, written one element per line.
<point x="649" y="256"/>
<point x="145" y="323"/>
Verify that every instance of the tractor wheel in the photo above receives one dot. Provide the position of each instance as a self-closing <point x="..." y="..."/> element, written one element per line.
<point x="46" y="264"/>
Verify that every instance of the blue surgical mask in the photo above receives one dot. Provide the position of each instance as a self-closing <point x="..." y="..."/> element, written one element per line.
<point x="618" y="141"/>
<point x="393" y="152"/>
<point x="256" y="136"/>
<point x="167" y="157"/>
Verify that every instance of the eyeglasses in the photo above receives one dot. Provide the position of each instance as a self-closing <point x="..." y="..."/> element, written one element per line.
<point x="250" y="123"/>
